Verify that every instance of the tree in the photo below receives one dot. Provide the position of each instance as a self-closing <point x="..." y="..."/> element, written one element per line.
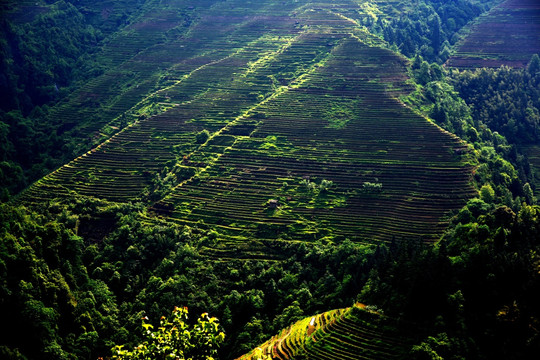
<point x="202" y="136"/>
<point x="487" y="193"/>
<point x="175" y="339"/>
<point x="431" y="348"/>
<point x="436" y="34"/>
<point x="534" y="65"/>
<point x="424" y="75"/>
<point x="369" y="187"/>
<point x="529" y="194"/>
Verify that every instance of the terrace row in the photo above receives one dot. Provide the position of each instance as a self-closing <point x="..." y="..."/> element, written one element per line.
<point x="508" y="35"/>
<point x="146" y="146"/>
<point x="415" y="161"/>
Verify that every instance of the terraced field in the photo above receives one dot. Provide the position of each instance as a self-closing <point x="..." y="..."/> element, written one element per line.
<point x="340" y="123"/>
<point x="163" y="43"/>
<point x="292" y="340"/>
<point x="307" y="137"/>
<point x="352" y="333"/>
<point x="194" y="66"/>
<point x="508" y="35"/>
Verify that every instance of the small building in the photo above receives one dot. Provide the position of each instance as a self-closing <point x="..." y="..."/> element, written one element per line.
<point x="272" y="204"/>
<point x="311" y="326"/>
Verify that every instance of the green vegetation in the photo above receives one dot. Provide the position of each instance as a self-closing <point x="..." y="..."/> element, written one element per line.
<point x="505" y="100"/>
<point x="48" y="298"/>
<point x="37" y="72"/>
<point x="134" y="267"/>
<point x="429" y="28"/>
<point x="291" y="141"/>
<point x="175" y="339"/>
<point x="484" y="268"/>
<point x="338" y="116"/>
<point x="264" y="162"/>
<point x="48" y="50"/>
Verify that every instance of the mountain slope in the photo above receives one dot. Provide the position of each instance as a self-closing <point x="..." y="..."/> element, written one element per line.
<point x="301" y="111"/>
<point x="508" y="35"/>
<point x="351" y="333"/>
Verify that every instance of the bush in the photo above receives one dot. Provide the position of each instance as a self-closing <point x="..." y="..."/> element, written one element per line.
<point x="175" y="339"/>
<point x="202" y="136"/>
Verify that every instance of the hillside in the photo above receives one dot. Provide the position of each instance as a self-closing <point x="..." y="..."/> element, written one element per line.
<point x="299" y="97"/>
<point x="351" y="333"/>
<point x="259" y="162"/>
<point x="508" y="35"/>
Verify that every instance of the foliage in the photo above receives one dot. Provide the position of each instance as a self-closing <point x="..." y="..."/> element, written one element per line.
<point x="339" y="116"/>
<point x="504" y="100"/>
<point x="312" y="187"/>
<point x="440" y="101"/>
<point x="429" y="28"/>
<point x="487" y="194"/>
<point x="432" y="347"/>
<point x="486" y="245"/>
<point x="50" y="305"/>
<point x="41" y="62"/>
<point x="202" y="136"/>
<point x="152" y="267"/>
<point x="370" y="187"/>
<point x="480" y="276"/>
<point x="95" y="296"/>
<point x="502" y="165"/>
<point x="48" y="51"/>
<point x="176" y="339"/>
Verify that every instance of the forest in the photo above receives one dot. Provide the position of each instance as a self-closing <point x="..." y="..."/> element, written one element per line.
<point x="199" y="179"/>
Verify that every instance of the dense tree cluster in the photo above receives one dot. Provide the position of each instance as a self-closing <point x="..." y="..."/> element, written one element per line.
<point x="51" y="309"/>
<point x="35" y="72"/>
<point x="81" y="298"/>
<point x="81" y="294"/>
<point x="46" y="52"/>
<point x="152" y="268"/>
<point x="430" y="29"/>
<point x="470" y="104"/>
<point x="505" y="100"/>
<point x="476" y="287"/>
<point x="474" y="291"/>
